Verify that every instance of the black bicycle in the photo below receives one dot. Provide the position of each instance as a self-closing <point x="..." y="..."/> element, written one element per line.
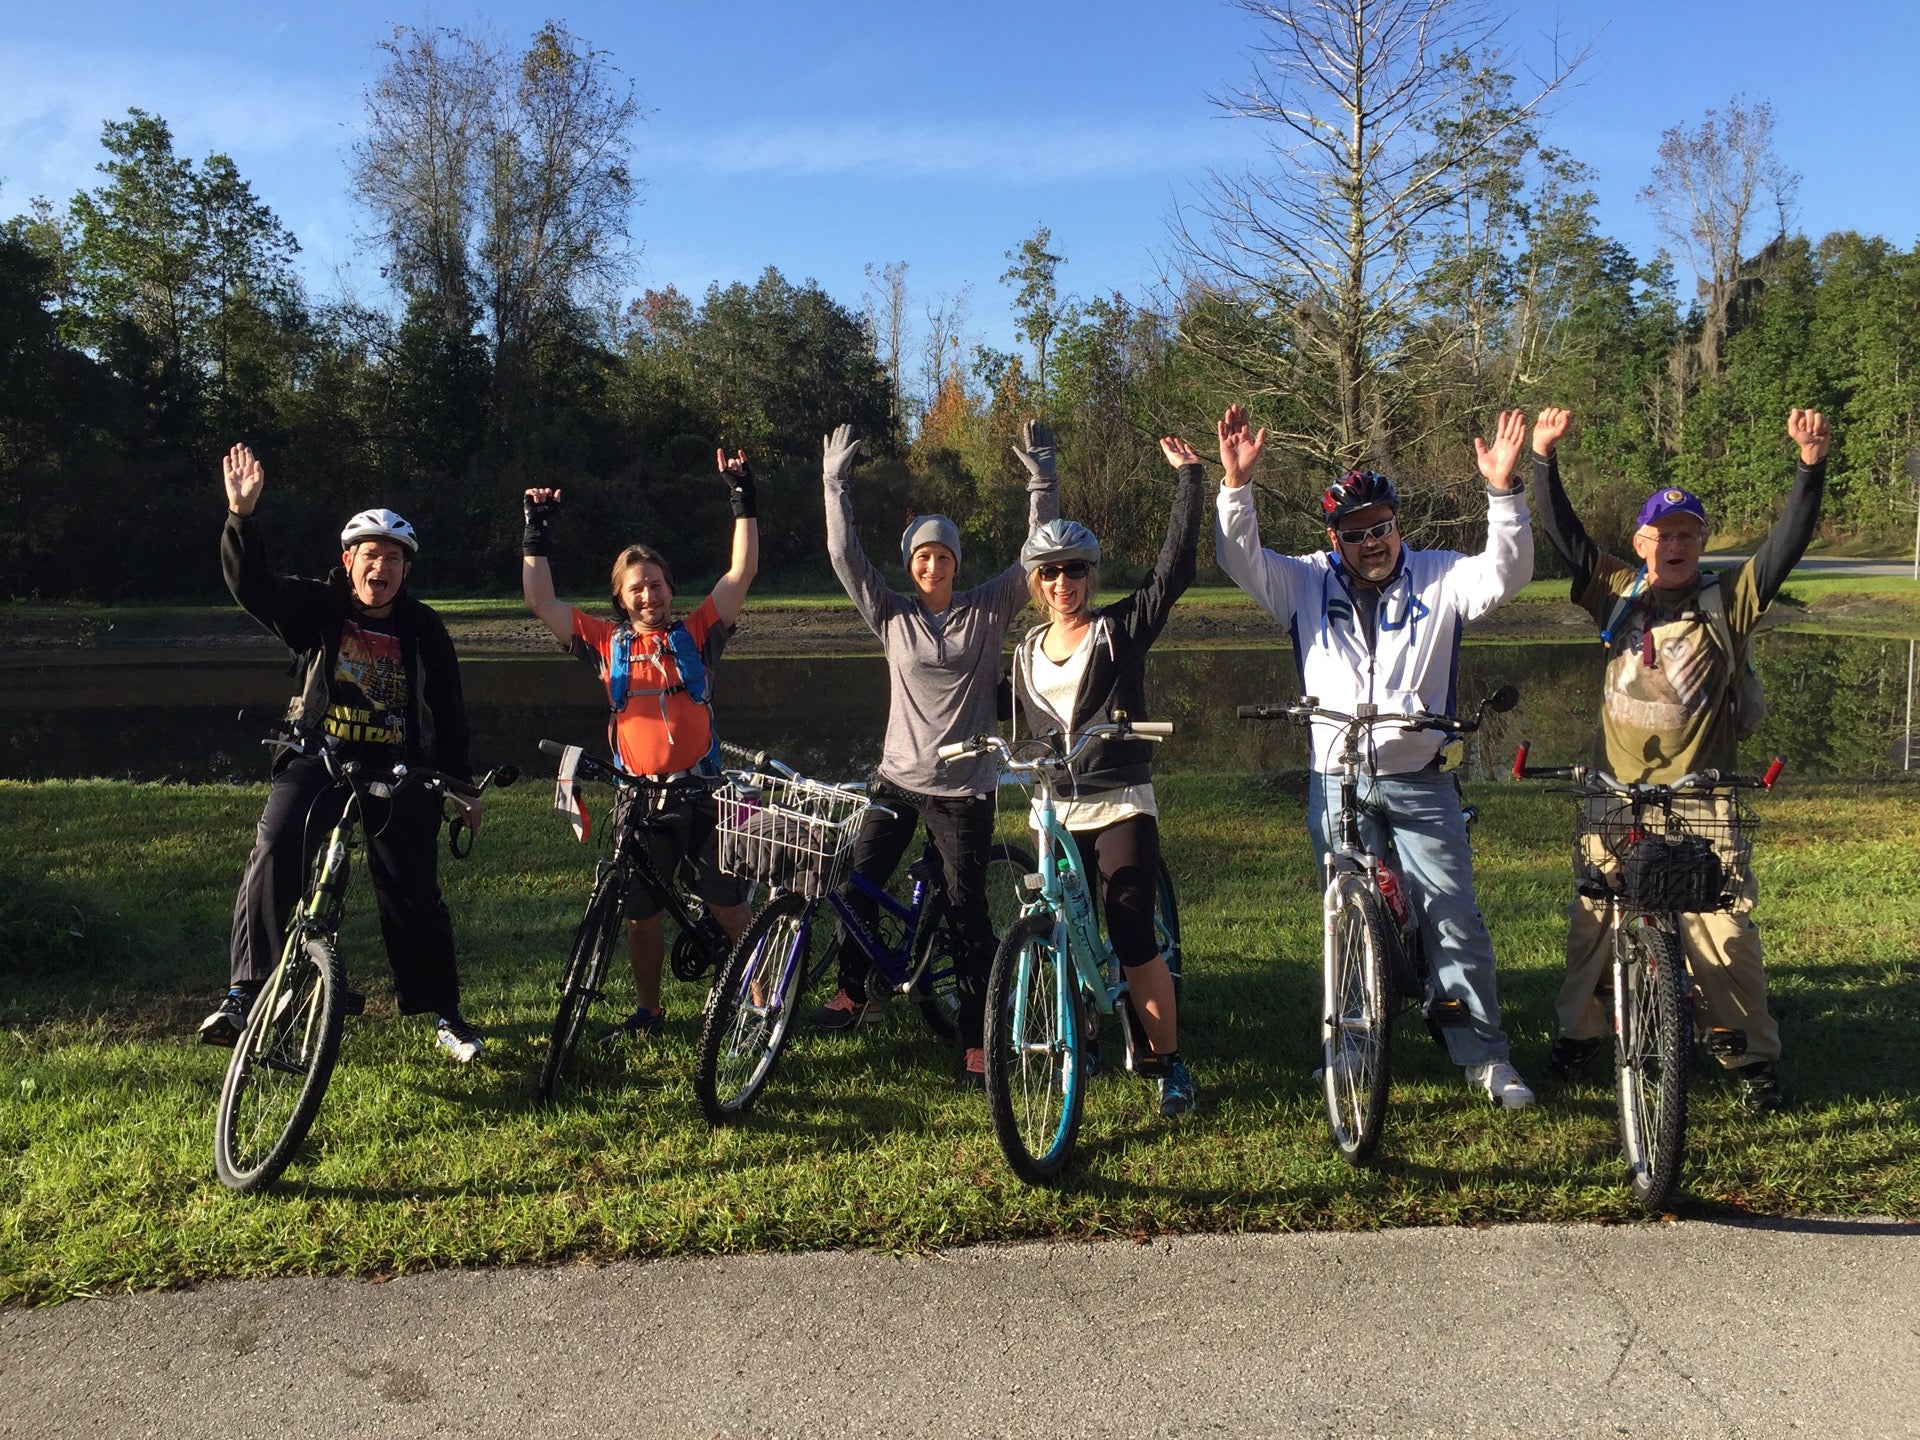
<point x="698" y="948"/>
<point x="285" y="1056"/>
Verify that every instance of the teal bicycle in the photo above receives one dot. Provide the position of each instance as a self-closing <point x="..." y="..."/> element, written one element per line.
<point x="1054" y="975"/>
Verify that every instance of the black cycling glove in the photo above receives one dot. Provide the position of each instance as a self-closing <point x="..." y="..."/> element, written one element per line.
<point x="539" y="514"/>
<point x="741" y="493"/>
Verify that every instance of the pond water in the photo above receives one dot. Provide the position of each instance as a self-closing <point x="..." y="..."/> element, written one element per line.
<point x="1838" y="705"/>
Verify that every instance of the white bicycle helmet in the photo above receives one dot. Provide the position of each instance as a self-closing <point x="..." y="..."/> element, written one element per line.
<point x="379" y="525"/>
<point x="1058" y="541"/>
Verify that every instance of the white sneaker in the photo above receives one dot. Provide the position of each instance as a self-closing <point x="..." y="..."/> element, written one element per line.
<point x="1502" y="1083"/>
<point x="459" y="1039"/>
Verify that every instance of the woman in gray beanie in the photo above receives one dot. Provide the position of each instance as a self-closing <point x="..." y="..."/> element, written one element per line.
<point x="943" y="666"/>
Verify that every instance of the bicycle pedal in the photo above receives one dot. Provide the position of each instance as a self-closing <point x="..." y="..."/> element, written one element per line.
<point x="1447" y="1013"/>
<point x="1723" y="1041"/>
<point x="353" y="1002"/>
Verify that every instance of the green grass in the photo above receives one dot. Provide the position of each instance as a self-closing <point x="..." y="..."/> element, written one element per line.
<point x="114" y="904"/>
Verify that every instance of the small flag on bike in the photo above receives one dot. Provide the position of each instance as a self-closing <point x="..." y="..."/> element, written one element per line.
<point x="566" y="795"/>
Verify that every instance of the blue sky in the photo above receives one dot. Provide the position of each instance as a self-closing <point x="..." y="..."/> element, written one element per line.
<point x="819" y="137"/>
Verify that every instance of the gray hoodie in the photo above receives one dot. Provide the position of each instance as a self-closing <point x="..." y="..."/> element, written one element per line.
<point x="942" y="670"/>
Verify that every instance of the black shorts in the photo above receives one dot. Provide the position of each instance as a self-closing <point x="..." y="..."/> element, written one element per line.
<point x="681" y="840"/>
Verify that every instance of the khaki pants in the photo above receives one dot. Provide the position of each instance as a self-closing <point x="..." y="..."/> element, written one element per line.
<point x="1724" y="951"/>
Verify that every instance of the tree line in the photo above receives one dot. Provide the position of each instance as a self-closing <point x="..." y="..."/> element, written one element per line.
<point x="1411" y="255"/>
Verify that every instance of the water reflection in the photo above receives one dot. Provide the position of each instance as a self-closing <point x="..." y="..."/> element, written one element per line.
<point x="1837" y="708"/>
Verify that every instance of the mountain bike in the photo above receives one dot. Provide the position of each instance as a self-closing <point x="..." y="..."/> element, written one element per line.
<point x="1054" y="974"/>
<point x="1373" y="957"/>
<point x="797" y="836"/>
<point x="1650" y="854"/>
<point x="285" y="1056"/>
<point x="640" y="806"/>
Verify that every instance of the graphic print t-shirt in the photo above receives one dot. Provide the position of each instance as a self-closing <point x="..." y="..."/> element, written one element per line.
<point x="367" y="700"/>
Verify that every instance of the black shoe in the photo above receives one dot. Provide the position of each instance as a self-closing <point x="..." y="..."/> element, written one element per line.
<point x="1760" y="1089"/>
<point x="228" y="1019"/>
<point x="642" y="1022"/>
<point x="1567" y="1061"/>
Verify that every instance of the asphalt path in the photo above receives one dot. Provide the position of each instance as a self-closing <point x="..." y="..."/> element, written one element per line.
<point x="1693" y="1329"/>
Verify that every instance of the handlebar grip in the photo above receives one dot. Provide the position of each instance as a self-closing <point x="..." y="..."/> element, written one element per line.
<point x="955" y="749"/>
<point x="552" y="747"/>
<point x="1151" y="728"/>
<point x="1263" y="712"/>
<point x="1773" y="772"/>
<point x="1520" y="760"/>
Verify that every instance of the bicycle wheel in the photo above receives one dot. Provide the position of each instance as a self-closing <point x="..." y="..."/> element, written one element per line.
<point x="1035" y="1062"/>
<point x="280" y="1068"/>
<point x="594" y="943"/>
<point x="1651" y="1061"/>
<point x="1357" y="1036"/>
<point x="751" y="1007"/>
<point x="938" y="947"/>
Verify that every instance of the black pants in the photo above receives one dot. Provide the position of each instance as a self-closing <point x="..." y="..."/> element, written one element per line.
<point x="402" y="847"/>
<point x="961" y="827"/>
<point x="1126" y="857"/>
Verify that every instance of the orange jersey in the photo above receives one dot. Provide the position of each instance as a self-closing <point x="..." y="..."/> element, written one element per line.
<point x="659" y="733"/>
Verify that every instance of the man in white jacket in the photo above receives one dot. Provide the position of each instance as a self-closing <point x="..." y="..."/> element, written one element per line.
<point x="1372" y="620"/>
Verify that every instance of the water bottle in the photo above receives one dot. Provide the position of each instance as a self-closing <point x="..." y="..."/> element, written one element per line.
<point x="1391" y="892"/>
<point x="1075" y="888"/>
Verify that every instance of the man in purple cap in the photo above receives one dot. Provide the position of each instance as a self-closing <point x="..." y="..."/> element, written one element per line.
<point x="1668" y="709"/>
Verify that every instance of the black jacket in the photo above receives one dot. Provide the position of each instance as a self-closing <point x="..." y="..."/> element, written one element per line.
<point x="309" y="615"/>
<point x="1116" y="675"/>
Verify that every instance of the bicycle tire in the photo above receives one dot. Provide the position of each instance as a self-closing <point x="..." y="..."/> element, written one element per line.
<point x="938" y="946"/>
<point x="741" y="1038"/>
<point x="280" y="1068"/>
<point x="1650" y="1058"/>
<point x="1036" y="1077"/>
<point x="594" y="941"/>
<point x="1357" y="1034"/>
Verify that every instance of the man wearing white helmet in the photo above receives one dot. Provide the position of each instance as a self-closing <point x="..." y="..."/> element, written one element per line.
<point x="378" y="673"/>
<point x="943" y="676"/>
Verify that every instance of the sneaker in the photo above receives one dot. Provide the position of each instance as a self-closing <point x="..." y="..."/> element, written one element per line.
<point x="1176" y="1090"/>
<point x="1502" y="1083"/>
<point x="459" y="1039"/>
<point x="641" y="1022"/>
<point x="843" y="1012"/>
<point x="973" y="1070"/>
<point x="1760" y="1088"/>
<point x="228" y="1019"/>
<point x="1567" y="1061"/>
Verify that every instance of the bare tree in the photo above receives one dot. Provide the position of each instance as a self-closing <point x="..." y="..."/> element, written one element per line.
<point x="1706" y="194"/>
<point x="1036" y="301"/>
<point x="1381" y="127"/>
<point x="886" y="313"/>
<point x="944" y="342"/>
<point x="500" y="183"/>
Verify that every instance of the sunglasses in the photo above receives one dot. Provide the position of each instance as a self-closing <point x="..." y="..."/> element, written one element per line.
<point x="1072" y="570"/>
<point x="1372" y="532"/>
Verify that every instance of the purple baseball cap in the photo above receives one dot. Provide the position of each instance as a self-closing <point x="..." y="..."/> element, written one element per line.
<point x="1663" y="503"/>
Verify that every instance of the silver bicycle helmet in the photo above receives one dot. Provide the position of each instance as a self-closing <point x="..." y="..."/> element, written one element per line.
<point x="379" y="525"/>
<point x="1057" y="541"/>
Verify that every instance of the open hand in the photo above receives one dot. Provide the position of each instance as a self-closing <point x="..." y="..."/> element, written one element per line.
<point x="244" y="479"/>
<point x="1549" y="426"/>
<point x="1177" y="451"/>
<point x="1035" y="450"/>
<point x="837" y="453"/>
<point x="1496" y="461"/>
<point x="1240" y="446"/>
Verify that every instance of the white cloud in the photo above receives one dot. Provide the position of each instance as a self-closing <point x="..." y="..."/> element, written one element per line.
<point x="1035" y="150"/>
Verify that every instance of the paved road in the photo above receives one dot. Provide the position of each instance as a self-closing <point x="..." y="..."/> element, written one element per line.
<point x="1693" y="1329"/>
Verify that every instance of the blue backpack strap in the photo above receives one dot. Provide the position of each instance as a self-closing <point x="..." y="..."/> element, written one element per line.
<point x="619" y="667"/>
<point x="1620" y="609"/>
<point x="686" y="656"/>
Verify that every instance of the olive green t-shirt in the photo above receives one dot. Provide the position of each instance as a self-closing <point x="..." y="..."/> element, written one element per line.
<point x="1665" y="706"/>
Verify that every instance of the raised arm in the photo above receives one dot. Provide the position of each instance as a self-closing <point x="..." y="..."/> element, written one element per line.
<point x="539" y="506"/>
<point x="286" y="605"/>
<point x="1269" y="578"/>
<point x="730" y="594"/>
<point x="1564" y="531"/>
<point x="1494" y="576"/>
<point x="1043" y="477"/>
<point x="1787" y="541"/>
<point x="1173" y="570"/>
<point x="858" y="575"/>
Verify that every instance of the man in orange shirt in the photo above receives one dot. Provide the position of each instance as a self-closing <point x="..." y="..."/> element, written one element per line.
<point x="659" y="674"/>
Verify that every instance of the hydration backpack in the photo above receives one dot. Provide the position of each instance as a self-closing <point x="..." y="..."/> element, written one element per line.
<point x="693" y="679"/>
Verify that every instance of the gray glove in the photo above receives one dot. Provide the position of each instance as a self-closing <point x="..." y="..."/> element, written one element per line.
<point x="1037" y="454"/>
<point x="836" y="457"/>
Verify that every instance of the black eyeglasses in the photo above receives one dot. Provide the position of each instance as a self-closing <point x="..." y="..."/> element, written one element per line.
<point x="1372" y="532"/>
<point x="1072" y="570"/>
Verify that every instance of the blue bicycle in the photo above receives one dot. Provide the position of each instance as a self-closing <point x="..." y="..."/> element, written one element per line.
<point x="797" y="836"/>
<point x="1055" y="975"/>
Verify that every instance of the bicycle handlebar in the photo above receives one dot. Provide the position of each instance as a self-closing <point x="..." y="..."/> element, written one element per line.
<point x="995" y="745"/>
<point x="1366" y="716"/>
<point x="1599" y="782"/>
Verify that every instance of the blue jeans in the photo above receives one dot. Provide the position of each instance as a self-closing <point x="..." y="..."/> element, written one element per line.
<point x="1436" y="864"/>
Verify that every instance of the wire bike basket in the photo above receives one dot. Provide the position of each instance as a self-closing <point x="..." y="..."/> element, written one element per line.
<point x="1691" y="854"/>
<point x="793" y="833"/>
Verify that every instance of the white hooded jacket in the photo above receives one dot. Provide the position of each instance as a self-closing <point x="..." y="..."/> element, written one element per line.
<point x="1413" y="660"/>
